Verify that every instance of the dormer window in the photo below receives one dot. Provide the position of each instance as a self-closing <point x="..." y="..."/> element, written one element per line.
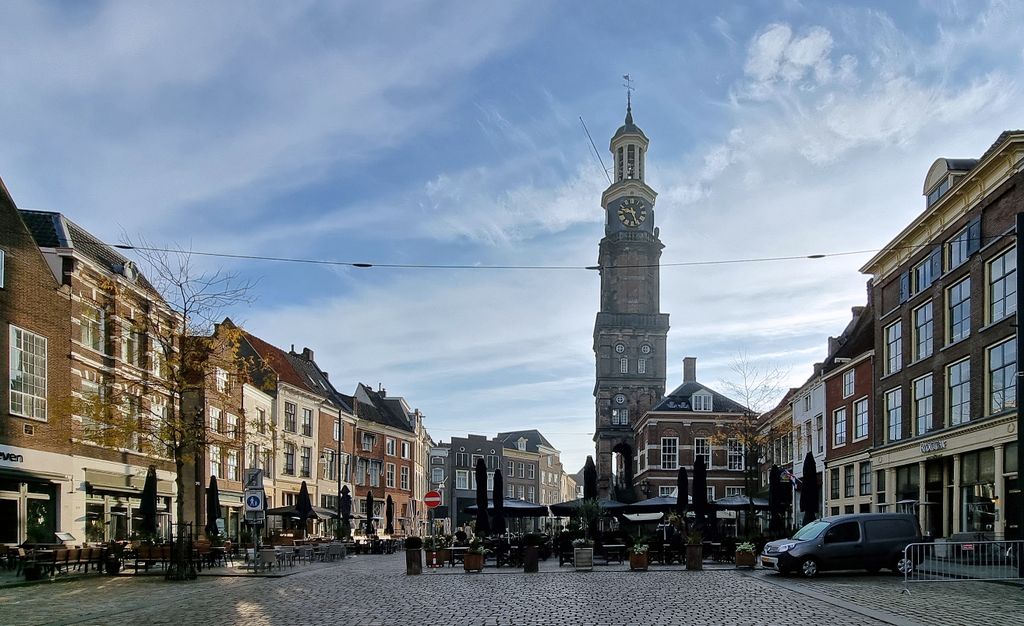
<point x="939" y="191"/>
<point x="701" y="401"/>
<point x="521" y="444"/>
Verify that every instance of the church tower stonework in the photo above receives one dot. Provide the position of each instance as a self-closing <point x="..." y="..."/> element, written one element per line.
<point x="630" y="331"/>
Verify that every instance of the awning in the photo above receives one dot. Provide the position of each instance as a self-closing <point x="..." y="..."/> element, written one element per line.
<point x="108" y="481"/>
<point x="643" y="517"/>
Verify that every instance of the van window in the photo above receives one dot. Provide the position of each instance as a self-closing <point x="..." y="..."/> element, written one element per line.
<point x="842" y="533"/>
<point x="810" y="531"/>
<point x="888" y="529"/>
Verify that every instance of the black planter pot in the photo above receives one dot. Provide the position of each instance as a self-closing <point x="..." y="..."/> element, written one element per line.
<point x="530" y="559"/>
<point x="112" y="566"/>
<point x="413" y="561"/>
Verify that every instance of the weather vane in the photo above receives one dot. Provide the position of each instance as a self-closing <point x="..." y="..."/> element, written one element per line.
<point x="629" y="89"/>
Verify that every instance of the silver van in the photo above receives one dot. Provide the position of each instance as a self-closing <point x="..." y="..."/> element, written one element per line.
<point x="870" y="541"/>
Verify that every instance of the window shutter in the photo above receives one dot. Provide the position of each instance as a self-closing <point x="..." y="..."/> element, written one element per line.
<point x="973" y="236"/>
<point x="936" y="262"/>
<point x="904" y="286"/>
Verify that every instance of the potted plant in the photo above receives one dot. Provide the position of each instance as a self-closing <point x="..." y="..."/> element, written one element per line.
<point x="413" y="556"/>
<point x="437" y="551"/>
<point x="583" y="554"/>
<point x="112" y="558"/>
<point x="531" y="552"/>
<point x="474" y="559"/>
<point x="694" y="551"/>
<point x="745" y="554"/>
<point x="638" y="558"/>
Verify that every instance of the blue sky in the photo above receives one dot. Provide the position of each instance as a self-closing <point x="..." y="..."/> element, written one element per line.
<point x="444" y="132"/>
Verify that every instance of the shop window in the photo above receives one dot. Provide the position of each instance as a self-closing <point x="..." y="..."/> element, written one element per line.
<point x="978" y="491"/>
<point x="865" y="478"/>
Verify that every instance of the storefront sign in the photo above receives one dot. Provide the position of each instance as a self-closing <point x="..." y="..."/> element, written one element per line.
<point x="933" y="446"/>
<point x="11" y="457"/>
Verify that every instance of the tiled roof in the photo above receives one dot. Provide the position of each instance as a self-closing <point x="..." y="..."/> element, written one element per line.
<point x="54" y="230"/>
<point x="316" y="380"/>
<point x="533" y="439"/>
<point x="277" y="359"/>
<point x="374" y="407"/>
<point x="679" y="401"/>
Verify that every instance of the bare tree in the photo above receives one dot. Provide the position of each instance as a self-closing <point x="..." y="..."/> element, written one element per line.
<point x="758" y="387"/>
<point x="169" y="344"/>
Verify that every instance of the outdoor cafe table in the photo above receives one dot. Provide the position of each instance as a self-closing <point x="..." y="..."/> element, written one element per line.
<point x="616" y="551"/>
<point x="458" y="554"/>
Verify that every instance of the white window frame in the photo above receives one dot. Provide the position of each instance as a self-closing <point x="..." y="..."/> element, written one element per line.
<point x="1001" y="291"/>
<point x="462" y="479"/>
<point x="839" y="427"/>
<point x="215" y="461"/>
<point x="734" y="491"/>
<point x="924" y="330"/>
<point x="216" y="420"/>
<point x="956" y="249"/>
<point x="641" y="366"/>
<point x="857" y="413"/>
<point x="1005" y="372"/>
<point x="232" y="464"/>
<point x="849" y="378"/>
<point x="894" y="414"/>
<point x="28" y="388"/>
<point x="403" y="478"/>
<point x="437" y="475"/>
<point x="389" y="475"/>
<point x="221" y="379"/>
<point x="702" y="448"/>
<point x="531" y="471"/>
<point x="624" y="365"/>
<point x="958" y="311"/>
<point x="924" y="404"/>
<point x="893" y="336"/>
<point x="734" y="455"/>
<point x="405" y="449"/>
<point x="389" y="446"/>
<point x="92" y="330"/>
<point x="958" y="392"/>
<point x="702" y="401"/>
<point x="670" y="453"/>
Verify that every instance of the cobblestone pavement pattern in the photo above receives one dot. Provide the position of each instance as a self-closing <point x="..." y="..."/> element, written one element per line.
<point x="374" y="590"/>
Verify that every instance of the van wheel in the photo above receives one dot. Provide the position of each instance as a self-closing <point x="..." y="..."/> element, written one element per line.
<point x="903" y="566"/>
<point x="809" y="567"/>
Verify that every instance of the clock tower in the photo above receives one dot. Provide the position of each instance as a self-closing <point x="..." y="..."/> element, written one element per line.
<point x="630" y="331"/>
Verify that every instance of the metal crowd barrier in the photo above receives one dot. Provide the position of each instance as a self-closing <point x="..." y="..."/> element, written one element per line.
<point x="953" y="561"/>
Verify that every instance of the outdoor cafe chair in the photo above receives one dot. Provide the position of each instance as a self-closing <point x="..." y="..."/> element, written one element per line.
<point x="266" y="558"/>
<point x="286" y="554"/>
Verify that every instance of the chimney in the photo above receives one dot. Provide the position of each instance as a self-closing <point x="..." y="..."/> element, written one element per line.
<point x="833" y="344"/>
<point x="307" y="354"/>
<point x="690" y="369"/>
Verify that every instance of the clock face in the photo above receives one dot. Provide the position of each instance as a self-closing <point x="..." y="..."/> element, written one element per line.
<point x="632" y="212"/>
<point x="620" y="399"/>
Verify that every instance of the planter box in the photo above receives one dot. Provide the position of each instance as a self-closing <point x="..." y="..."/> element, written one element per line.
<point x="531" y="558"/>
<point x="745" y="559"/>
<point x="437" y="558"/>
<point x="473" y="562"/>
<point x="583" y="559"/>
<point x="638" y="562"/>
<point x="695" y="557"/>
<point x="413" y="562"/>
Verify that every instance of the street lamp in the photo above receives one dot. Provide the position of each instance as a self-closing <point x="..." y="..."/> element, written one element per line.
<point x="645" y="486"/>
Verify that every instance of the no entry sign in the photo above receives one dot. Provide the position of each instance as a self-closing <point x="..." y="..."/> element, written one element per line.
<point x="432" y="499"/>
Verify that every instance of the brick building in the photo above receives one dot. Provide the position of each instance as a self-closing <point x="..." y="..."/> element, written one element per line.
<point x="40" y="486"/>
<point x="944" y="291"/>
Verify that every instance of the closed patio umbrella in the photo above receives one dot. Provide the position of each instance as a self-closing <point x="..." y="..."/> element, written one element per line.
<point x="346" y="509"/>
<point x="700" y="492"/>
<point x="774" y="501"/>
<point x="498" y="496"/>
<point x="389" y="516"/>
<point x="212" y="507"/>
<point x="368" y="505"/>
<point x="809" y="490"/>
<point x="682" y="492"/>
<point x="589" y="479"/>
<point x="304" y="506"/>
<point x="149" y="503"/>
<point x="483" y="525"/>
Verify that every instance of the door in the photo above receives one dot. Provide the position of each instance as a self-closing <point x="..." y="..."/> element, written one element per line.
<point x="843" y="548"/>
<point x="10" y="521"/>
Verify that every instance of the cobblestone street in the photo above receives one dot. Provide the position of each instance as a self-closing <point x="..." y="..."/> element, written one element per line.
<point x="375" y="590"/>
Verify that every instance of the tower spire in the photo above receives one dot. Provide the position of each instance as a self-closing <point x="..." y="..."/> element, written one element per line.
<point x="629" y="100"/>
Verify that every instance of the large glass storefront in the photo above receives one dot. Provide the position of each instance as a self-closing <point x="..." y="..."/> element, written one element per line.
<point x="1011" y="489"/>
<point x="978" y="491"/>
<point x="28" y="511"/>
<point x="117" y="517"/>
